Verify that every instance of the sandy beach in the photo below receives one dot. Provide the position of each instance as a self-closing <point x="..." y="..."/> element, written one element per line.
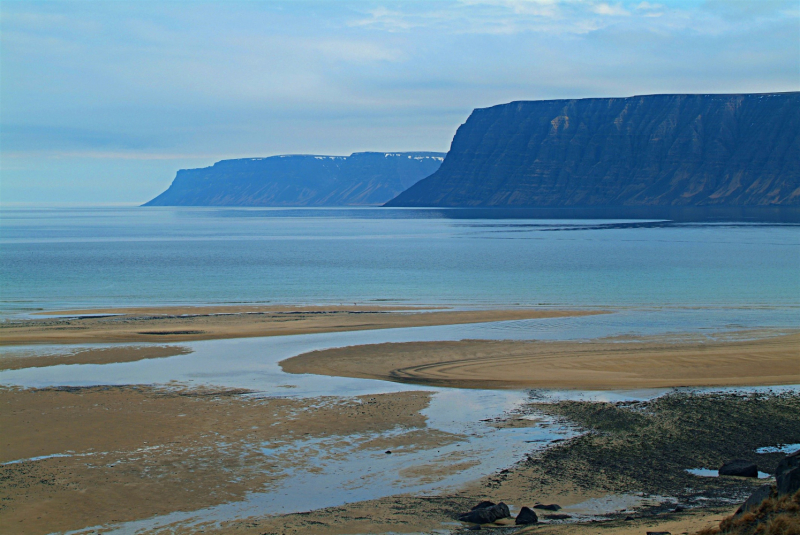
<point x="77" y="457"/>
<point x="117" y="454"/>
<point x="592" y="365"/>
<point x="181" y="324"/>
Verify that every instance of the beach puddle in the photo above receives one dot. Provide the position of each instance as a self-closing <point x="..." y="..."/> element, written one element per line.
<point x="595" y="508"/>
<point x="785" y="448"/>
<point x="706" y="472"/>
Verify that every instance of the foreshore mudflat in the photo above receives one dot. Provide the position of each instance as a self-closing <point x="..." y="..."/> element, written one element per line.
<point x="626" y="473"/>
<point x="101" y="456"/>
<point x="591" y="365"/>
<point x="181" y="324"/>
<point x="77" y="457"/>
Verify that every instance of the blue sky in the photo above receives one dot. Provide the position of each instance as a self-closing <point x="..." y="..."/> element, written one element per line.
<point x="101" y="102"/>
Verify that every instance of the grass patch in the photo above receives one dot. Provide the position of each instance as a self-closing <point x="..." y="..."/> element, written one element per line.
<point x="775" y="516"/>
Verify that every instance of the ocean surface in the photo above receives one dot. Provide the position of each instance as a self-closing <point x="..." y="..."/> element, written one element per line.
<point x="57" y="258"/>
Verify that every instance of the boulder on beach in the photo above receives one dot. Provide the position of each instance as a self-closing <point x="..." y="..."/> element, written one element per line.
<point x="549" y="507"/>
<point x="486" y="515"/>
<point x="789" y="481"/>
<point x="483" y="505"/>
<point x="739" y="467"/>
<point x="761" y="493"/>
<point x="526" y="516"/>
<point x="790" y="461"/>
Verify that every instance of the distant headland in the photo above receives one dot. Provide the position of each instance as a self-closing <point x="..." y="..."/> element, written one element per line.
<point x="656" y="150"/>
<point x="363" y="178"/>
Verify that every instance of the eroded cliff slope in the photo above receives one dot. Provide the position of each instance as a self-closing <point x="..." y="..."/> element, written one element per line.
<point x="656" y="150"/>
<point x="363" y="178"/>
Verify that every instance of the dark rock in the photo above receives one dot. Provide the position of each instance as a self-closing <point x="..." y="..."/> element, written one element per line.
<point x="739" y="467"/>
<point x="486" y="515"/>
<point x="557" y="517"/>
<point x="789" y="481"/>
<point x="363" y="178"/>
<point x="483" y="505"/>
<point x="549" y="507"/>
<point x="761" y="493"/>
<point x="653" y="150"/>
<point x="628" y="518"/>
<point x="678" y="509"/>
<point x="526" y="516"/>
<point x="388" y="452"/>
<point x="658" y="533"/>
<point x="790" y="461"/>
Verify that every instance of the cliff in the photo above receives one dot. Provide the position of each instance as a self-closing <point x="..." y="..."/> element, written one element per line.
<point x="657" y="150"/>
<point x="363" y="178"/>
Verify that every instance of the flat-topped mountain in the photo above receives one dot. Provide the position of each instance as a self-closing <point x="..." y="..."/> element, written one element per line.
<point x="656" y="150"/>
<point x="363" y="178"/>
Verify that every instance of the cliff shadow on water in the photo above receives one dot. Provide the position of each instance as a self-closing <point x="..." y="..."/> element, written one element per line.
<point x="663" y="214"/>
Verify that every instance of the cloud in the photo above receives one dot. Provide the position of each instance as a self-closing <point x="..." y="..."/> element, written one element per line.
<point x="107" y="155"/>
<point x="647" y="6"/>
<point x="607" y="9"/>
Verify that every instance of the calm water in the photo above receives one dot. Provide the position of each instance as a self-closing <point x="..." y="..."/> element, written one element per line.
<point x="57" y="258"/>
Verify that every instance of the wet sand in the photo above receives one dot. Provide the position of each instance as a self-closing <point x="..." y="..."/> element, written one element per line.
<point x="129" y="453"/>
<point x="689" y="522"/>
<point x="411" y="514"/>
<point x="104" y="355"/>
<point x="180" y="324"/>
<point x="132" y="452"/>
<point x="593" y="365"/>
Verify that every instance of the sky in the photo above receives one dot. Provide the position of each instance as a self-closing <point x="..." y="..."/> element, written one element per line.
<point x="102" y="102"/>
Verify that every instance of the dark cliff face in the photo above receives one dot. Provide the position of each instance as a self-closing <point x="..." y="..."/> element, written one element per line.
<point x="658" y="150"/>
<point x="365" y="178"/>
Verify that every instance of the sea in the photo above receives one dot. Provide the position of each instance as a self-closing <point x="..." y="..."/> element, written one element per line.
<point x="88" y="257"/>
<point x="703" y="275"/>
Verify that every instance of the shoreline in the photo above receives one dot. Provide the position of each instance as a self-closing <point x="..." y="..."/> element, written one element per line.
<point x="184" y="324"/>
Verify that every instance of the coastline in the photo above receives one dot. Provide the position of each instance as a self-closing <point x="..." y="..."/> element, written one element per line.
<point x="184" y="324"/>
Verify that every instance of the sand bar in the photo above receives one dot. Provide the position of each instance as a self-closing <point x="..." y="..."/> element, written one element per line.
<point x="103" y="355"/>
<point x="594" y="365"/>
<point x="180" y="324"/>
